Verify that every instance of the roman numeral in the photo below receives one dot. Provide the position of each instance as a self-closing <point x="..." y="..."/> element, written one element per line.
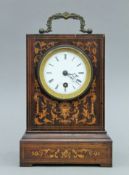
<point x="57" y="59"/>
<point x="80" y="72"/>
<point x="78" y="64"/>
<point x="73" y="58"/>
<point x="51" y="80"/>
<point x="57" y="86"/>
<point x="65" y="56"/>
<point x="49" y="72"/>
<point x="79" y="80"/>
<point x="51" y="64"/>
<point x="73" y="86"/>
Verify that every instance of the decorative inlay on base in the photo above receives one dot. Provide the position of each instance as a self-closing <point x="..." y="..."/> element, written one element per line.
<point x="57" y="153"/>
<point x="56" y="149"/>
<point x="43" y="152"/>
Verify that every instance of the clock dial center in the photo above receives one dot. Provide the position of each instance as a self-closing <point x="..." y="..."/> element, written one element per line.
<point x="65" y="72"/>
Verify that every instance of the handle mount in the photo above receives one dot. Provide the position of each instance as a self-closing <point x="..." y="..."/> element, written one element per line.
<point x="65" y="16"/>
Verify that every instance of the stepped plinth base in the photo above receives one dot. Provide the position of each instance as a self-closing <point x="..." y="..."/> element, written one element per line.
<point x="91" y="149"/>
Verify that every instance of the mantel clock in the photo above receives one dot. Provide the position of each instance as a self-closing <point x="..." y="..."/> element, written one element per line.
<point x="65" y="98"/>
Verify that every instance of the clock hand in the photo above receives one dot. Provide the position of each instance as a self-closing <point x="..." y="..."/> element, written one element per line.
<point x="74" y="75"/>
<point x="71" y="76"/>
<point x="74" y="78"/>
<point x="65" y="73"/>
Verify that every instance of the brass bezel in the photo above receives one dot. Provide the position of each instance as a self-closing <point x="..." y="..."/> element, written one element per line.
<point x="84" y="58"/>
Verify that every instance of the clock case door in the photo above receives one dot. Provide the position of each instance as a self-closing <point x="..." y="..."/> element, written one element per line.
<point x="83" y="114"/>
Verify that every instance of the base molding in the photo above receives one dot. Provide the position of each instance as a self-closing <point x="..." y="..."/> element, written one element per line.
<point x="91" y="149"/>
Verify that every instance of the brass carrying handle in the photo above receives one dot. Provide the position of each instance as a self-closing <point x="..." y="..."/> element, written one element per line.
<point x="65" y="16"/>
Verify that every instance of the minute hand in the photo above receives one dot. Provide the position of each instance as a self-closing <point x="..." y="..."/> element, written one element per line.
<point x="72" y="76"/>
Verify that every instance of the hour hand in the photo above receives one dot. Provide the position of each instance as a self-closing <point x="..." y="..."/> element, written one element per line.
<point x="65" y="73"/>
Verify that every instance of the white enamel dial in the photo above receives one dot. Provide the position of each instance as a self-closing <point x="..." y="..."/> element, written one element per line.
<point x="65" y="73"/>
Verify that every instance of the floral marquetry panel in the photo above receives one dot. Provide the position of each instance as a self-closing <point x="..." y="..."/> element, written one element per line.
<point x="83" y="113"/>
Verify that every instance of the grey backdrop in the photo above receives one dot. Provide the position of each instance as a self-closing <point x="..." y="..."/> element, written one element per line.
<point x="18" y="17"/>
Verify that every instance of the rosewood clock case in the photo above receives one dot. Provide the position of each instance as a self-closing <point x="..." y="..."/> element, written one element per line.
<point x="48" y="114"/>
<point x="65" y="127"/>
